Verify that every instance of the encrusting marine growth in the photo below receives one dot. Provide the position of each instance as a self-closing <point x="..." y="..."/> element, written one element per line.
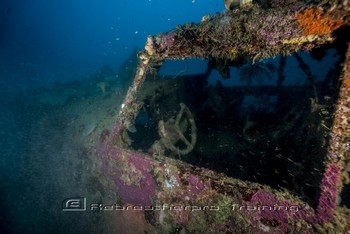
<point x="238" y="36"/>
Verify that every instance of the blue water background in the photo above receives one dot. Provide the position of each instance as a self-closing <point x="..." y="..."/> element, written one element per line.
<point x="48" y="41"/>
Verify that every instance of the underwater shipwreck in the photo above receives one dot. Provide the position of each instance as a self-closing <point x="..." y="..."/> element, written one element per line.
<point x="267" y="154"/>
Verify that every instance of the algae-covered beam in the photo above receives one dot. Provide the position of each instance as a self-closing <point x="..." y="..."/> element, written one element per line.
<point x="252" y="32"/>
<point x="338" y="155"/>
<point x="130" y="106"/>
<point x="339" y="142"/>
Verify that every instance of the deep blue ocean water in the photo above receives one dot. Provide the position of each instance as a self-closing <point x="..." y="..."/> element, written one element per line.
<point x="49" y="41"/>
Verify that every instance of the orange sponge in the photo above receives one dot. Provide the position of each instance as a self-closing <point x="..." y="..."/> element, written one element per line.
<point x="315" y="21"/>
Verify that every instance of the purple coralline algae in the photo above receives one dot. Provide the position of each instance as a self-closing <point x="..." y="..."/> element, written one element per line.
<point x="167" y="40"/>
<point x="196" y="185"/>
<point x="276" y="27"/>
<point x="130" y="171"/>
<point x="268" y="211"/>
<point x="326" y="203"/>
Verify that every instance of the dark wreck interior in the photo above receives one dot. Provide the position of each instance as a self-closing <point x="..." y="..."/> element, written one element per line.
<point x="269" y="127"/>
